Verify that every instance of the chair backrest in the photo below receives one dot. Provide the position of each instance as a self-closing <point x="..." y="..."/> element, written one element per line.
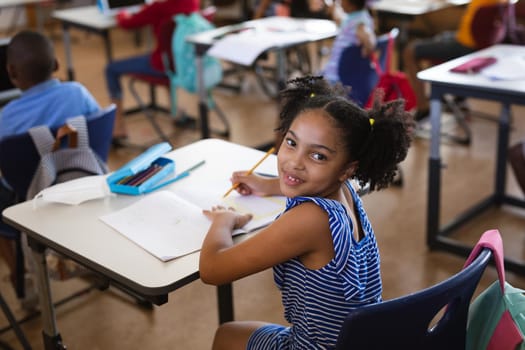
<point x="409" y="322"/>
<point x="19" y="157"/>
<point x="359" y="72"/>
<point x="489" y="24"/>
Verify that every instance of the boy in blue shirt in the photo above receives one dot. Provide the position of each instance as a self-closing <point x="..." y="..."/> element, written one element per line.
<point x="31" y="63"/>
<point x="44" y="100"/>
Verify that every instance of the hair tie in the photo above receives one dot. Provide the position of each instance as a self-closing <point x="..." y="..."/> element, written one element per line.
<point x="372" y="121"/>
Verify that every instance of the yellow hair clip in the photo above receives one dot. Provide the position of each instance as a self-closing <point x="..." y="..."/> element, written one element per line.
<point x="372" y="121"/>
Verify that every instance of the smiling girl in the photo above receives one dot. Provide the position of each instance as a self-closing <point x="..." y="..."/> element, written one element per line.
<point x="322" y="248"/>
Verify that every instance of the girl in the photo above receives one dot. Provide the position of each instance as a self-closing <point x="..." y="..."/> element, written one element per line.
<point x="322" y="247"/>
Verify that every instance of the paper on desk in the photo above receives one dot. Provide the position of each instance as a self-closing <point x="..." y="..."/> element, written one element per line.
<point x="169" y="226"/>
<point x="243" y="48"/>
<point x="164" y="224"/>
<point x="263" y="209"/>
<point x="506" y="68"/>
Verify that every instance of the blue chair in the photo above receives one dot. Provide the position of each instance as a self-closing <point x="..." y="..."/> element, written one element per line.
<point x="18" y="171"/>
<point x="434" y="318"/>
<point x="359" y="72"/>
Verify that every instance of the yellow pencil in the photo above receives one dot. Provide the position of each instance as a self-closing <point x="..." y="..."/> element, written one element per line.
<point x="270" y="151"/>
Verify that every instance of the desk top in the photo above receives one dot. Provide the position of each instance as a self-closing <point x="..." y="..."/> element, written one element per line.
<point x="78" y="232"/>
<point x="311" y="29"/>
<point x="87" y="16"/>
<point x="9" y="3"/>
<point x="414" y="7"/>
<point x="441" y="74"/>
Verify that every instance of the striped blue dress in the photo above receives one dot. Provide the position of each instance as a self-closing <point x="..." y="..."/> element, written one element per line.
<point x="316" y="302"/>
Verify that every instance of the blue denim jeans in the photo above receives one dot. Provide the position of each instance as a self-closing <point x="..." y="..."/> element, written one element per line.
<point x="115" y="69"/>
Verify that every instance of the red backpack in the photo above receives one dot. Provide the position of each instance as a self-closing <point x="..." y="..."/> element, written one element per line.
<point x="395" y="85"/>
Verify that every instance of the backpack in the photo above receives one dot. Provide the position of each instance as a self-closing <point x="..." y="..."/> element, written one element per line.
<point x="59" y="164"/>
<point x="394" y="85"/>
<point x="184" y="53"/>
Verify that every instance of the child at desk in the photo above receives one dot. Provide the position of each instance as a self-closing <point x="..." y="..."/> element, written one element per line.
<point x="356" y="28"/>
<point x="31" y="63"/>
<point x="322" y="247"/>
<point x="159" y="16"/>
<point x="45" y="100"/>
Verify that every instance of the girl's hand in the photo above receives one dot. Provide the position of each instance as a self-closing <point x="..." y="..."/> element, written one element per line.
<point x="227" y="216"/>
<point x="251" y="184"/>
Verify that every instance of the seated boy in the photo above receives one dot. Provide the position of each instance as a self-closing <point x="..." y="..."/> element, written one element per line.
<point x="44" y="100"/>
<point x="31" y="63"/>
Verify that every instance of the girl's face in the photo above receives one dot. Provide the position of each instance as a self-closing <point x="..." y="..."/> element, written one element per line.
<point x="312" y="160"/>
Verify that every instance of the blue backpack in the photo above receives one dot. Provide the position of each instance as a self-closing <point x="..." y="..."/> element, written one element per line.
<point x="184" y="54"/>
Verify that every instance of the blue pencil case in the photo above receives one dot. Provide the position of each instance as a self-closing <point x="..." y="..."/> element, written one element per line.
<point x="143" y="172"/>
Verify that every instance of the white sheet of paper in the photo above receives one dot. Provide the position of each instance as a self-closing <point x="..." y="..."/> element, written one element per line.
<point x="164" y="224"/>
<point x="168" y="226"/>
<point x="243" y="48"/>
<point x="506" y="68"/>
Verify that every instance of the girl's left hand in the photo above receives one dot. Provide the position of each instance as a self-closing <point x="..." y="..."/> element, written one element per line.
<point x="232" y="218"/>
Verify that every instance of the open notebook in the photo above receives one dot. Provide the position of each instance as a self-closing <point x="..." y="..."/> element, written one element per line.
<point x="169" y="226"/>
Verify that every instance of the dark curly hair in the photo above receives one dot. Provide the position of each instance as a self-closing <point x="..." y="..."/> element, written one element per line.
<point x="33" y="54"/>
<point x="378" y="138"/>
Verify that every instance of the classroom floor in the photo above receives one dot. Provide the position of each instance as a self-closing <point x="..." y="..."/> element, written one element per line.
<point x="111" y="320"/>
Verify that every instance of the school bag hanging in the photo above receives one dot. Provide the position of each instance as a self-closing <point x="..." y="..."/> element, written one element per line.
<point x="496" y="319"/>
<point x="64" y="158"/>
<point x="395" y="85"/>
<point x="184" y="54"/>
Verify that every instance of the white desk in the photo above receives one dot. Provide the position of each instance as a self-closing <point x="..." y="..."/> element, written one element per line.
<point x="19" y="3"/>
<point x="315" y="30"/>
<point x="76" y="232"/>
<point x="507" y="92"/>
<point x="88" y="18"/>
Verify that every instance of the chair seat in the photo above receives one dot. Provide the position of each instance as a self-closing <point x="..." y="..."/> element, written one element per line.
<point x="153" y="80"/>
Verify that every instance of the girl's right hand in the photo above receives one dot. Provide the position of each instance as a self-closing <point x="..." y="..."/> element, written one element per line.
<point x="252" y="184"/>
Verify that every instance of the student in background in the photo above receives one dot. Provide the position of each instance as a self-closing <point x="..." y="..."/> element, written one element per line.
<point x="158" y="15"/>
<point x="356" y="28"/>
<point x="442" y="47"/>
<point x="322" y="247"/>
<point x="44" y="100"/>
<point x="292" y="8"/>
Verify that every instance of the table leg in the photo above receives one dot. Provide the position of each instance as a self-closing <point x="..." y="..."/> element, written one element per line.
<point x="67" y="48"/>
<point x="281" y="69"/>
<point x="107" y="45"/>
<point x="501" y="156"/>
<point x="203" y="98"/>
<point x="225" y="300"/>
<point x="51" y="336"/>
<point x="434" y="167"/>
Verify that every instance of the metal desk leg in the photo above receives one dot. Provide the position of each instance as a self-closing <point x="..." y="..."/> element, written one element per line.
<point x="501" y="156"/>
<point x="225" y="300"/>
<point x="281" y="70"/>
<point x="203" y="98"/>
<point x="107" y="45"/>
<point x="434" y="176"/>
<point x="50" y="334"/>
<point x="67" y="48"/>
